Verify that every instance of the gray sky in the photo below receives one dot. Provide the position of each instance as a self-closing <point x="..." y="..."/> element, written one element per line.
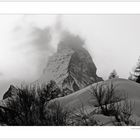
<point x="26" y="41"/>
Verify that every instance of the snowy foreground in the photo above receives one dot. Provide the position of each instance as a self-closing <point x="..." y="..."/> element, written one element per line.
<point x="83" y="100"/>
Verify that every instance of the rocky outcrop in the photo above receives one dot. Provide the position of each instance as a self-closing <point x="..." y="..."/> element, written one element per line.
<point x="71" y="67"/>
<point x="12" y="91"/>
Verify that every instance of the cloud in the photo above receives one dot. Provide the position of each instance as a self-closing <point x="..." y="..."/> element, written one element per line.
<point x="31" y="45"/>
<point x="36" y="44"/>
<point x="42" y="39"/>
<point x="71" y="40"/>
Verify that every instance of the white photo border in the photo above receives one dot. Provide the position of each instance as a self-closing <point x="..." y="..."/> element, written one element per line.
<point x="69" y="8"/>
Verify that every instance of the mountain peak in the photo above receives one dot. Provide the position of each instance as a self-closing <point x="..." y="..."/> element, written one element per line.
<point x="10" y="92"/>
<point x="71" y="67"/>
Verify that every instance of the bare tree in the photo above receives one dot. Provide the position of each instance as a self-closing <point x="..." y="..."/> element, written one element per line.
<point x="27" y="107"/>
<point x="112" y="104"/>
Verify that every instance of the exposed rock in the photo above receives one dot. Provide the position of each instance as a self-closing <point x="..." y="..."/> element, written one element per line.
<point x="11" y="92"/>
<point x="103" y="120"/>
<point x="71" y="67"/>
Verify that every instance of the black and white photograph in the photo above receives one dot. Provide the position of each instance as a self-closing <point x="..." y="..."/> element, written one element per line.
<point x="69" y="70"/>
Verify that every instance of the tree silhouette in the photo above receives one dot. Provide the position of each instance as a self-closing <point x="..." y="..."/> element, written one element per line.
<point x="135" y="75"/>
<point x="113" y="74"/>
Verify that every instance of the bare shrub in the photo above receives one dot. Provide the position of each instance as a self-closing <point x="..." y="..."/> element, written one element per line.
<point x="57" y="116"/>
<point x="112" y="104"/>
<point x="123" y="113"/>
<point x="27" y="107"/>
<point x="83" y="119"/>
<point x="105" y="97"/>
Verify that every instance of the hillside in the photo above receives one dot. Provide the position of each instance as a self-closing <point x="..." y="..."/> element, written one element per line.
<point x="84" y="98"/>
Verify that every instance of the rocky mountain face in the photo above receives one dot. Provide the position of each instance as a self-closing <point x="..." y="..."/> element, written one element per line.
<point x="10" y="92"/>
<point x="71" y="67"/>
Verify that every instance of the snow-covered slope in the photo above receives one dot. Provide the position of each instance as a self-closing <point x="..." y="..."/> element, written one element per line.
<point x="84" y="98"/>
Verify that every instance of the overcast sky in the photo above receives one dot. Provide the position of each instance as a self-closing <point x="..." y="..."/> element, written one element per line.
<point x="26" y="42"/>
